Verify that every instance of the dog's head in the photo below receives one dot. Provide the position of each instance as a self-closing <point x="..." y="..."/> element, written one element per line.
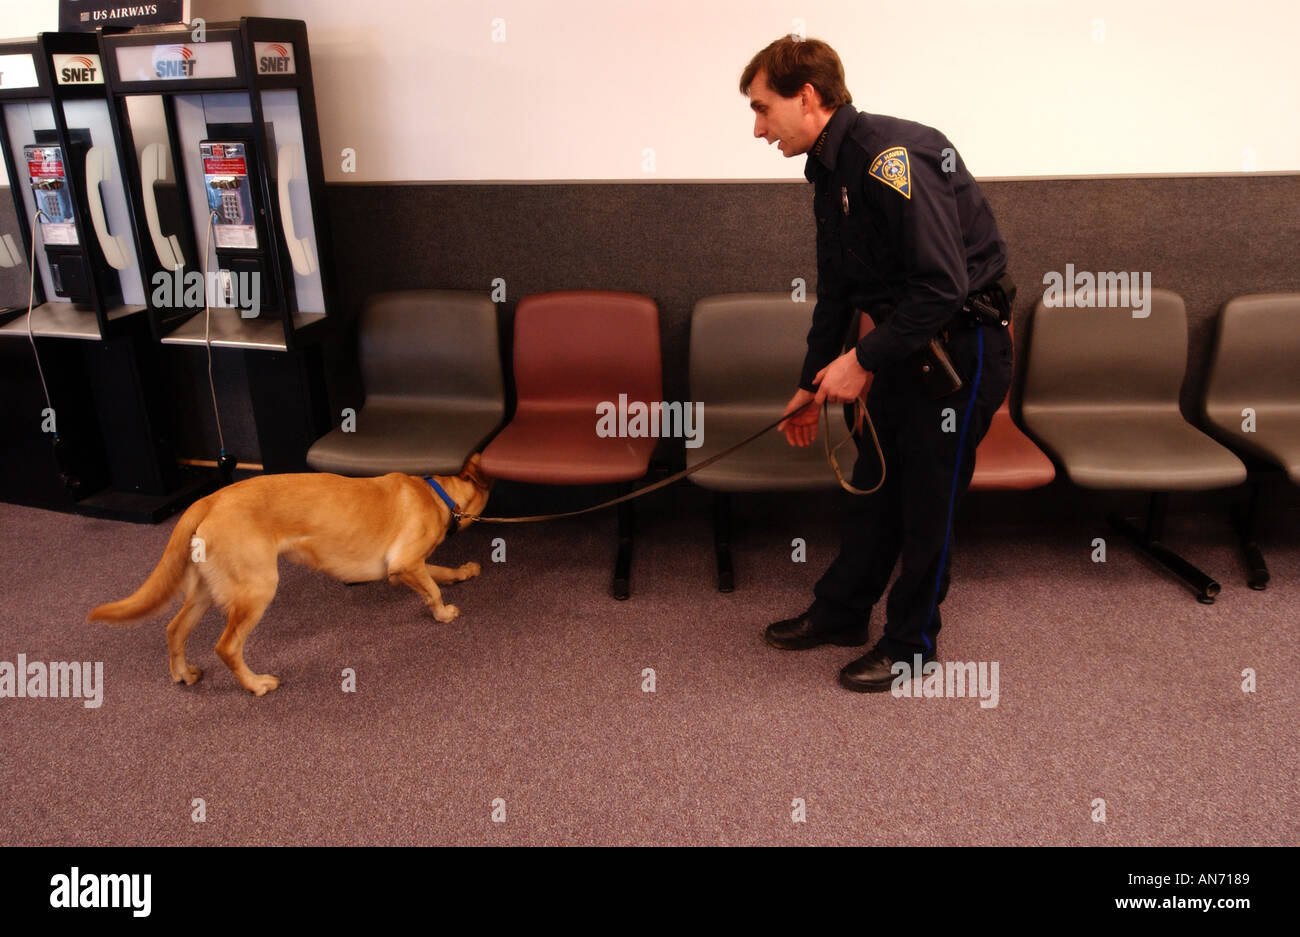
<point x="477" y="486"/>
<point x="473" y="473"/>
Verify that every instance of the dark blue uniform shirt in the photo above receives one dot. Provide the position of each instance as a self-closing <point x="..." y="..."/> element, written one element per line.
<point x="903" y="233"/>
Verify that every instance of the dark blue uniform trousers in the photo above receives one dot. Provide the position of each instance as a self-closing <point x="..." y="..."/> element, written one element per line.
<point x="911" y="514"/>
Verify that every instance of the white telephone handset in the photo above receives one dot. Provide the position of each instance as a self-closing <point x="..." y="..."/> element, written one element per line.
<point x="100" y="169"/>
<point x="9" y="256"/>
<point x="287" y="169"/>
<point x="153" y="168"/>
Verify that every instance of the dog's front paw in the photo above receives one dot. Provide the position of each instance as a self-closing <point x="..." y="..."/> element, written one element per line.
<point x="446" y="613"/>
<point x="262" y="683"/>
<point x="469" y="570"/>
<point x="189" y="675"/>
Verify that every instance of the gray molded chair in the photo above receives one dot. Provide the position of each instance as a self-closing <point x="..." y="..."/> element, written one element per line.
<point x="745" y="356"/>
<point x="1254" y="368"/>
<point x="1101" y="393"/>
<point x="434" y="391"/>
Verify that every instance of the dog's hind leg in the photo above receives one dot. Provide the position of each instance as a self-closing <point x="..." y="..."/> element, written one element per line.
<point x="197" y="602"/>
<point x="242" y="617"/>
<point x="445" y="576"/>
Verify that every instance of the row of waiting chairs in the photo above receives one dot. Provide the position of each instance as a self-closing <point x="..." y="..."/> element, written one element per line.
<point x="1100" y="393"/>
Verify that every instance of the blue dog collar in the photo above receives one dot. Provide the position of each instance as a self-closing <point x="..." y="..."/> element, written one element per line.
<point x="446" y="499"/>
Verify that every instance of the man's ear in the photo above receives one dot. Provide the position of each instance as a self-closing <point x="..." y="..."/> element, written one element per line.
<point x="811" y="98"/>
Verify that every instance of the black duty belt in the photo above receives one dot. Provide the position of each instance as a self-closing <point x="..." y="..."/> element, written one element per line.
<point x="990" y="306"/>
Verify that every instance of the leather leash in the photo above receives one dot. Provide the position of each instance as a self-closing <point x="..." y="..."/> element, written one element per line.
<point x="860" y="416"/>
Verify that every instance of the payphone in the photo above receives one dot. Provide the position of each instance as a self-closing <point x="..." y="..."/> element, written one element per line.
<point x="75" y="273"/>
<point x="61" y="158"/>
<point x="239" y="229"/>
<point x="228" y="120"/>
<point x="79" y="361"/>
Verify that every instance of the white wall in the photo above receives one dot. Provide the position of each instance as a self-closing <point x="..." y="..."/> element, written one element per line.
<point x="580" y="89"/>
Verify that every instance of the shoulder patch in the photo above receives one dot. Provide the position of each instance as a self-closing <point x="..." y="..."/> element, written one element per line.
<point x="893" y="169"/>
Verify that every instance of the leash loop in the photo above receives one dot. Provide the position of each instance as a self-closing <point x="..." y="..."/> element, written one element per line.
<point x="860" y="416"/>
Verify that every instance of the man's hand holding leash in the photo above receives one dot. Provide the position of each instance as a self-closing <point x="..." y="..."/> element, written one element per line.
<point x="800" y="427"/>
<point x="841" y="381"/>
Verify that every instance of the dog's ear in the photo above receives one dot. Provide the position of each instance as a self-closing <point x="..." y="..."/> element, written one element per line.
<point x="473" y="474"/>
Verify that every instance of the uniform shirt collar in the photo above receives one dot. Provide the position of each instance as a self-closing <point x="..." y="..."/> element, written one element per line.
<point x="828" y="144"/>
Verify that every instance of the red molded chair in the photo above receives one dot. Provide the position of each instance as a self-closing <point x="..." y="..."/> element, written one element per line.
<point x="1008" y="460"/>
<point x="575" y="350"/>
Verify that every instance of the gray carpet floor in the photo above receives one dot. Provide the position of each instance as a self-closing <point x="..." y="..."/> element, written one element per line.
<point x="1115" y="684"/>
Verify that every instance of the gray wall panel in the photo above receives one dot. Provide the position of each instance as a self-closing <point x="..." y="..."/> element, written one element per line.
<point x="1206" y="238"/>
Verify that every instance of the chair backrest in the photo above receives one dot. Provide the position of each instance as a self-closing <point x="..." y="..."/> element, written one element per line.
<point x="747" y="348"/>
<point x="1256" y="353"/>
<point x="424" y="344"/>
<point x="1106" y="357"/>
<point x="583" y="347"/>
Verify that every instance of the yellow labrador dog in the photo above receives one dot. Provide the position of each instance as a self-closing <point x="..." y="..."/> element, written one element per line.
<point x="223" y="551"/>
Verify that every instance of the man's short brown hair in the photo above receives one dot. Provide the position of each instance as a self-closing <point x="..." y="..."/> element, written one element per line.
<point x="791" y="63"/>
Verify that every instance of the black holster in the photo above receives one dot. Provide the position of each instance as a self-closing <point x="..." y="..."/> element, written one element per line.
<point x="991" y="307"/>
<point x="934" y="367"/>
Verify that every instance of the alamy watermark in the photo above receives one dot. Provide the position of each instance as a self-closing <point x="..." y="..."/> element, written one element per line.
<point x="225" y="290"/>
<point x="56" y="679"/>
<point x="84" y="890"/>
<point x="659" y="418"/>
<point x="951" y="679"/>
<point x="1103" y="290"/>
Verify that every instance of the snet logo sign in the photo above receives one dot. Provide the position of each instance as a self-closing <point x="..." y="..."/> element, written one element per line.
<point x="178" y="65"/>
<point x="274" y="58"/>
<point x="79" y="70"/>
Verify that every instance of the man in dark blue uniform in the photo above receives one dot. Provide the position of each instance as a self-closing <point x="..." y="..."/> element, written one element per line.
<point x="904" y="235"/>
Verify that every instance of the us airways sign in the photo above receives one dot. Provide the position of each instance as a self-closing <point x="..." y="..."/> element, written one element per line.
<point x="86" y="16"/>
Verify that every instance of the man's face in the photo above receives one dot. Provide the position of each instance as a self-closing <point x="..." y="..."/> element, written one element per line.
<point x="791" y="123"/>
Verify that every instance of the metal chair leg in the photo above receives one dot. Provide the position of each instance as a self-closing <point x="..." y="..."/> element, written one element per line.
<point x="1148" y="542"/>
<point x="623" y="562"/>
<point x="1244" y="521"/>
<point x="722" y="540"/>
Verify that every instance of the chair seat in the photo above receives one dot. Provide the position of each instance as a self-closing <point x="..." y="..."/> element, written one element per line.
<point x="403" y="436"/>
<point x="1276" y="436"/>
<point x="1142" y="448"/>
<point x="559" y="446"/>
<point x="769" y="463"/>
<point x="1008" y="460"/>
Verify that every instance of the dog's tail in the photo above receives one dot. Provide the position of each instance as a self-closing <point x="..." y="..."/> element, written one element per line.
<point x="166" y="577"/>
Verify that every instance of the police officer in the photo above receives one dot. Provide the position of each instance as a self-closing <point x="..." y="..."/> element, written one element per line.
<point x="905" y="235"/>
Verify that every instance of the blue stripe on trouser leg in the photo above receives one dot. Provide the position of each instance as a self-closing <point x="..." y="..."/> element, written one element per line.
<point x="952" y="495"/>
